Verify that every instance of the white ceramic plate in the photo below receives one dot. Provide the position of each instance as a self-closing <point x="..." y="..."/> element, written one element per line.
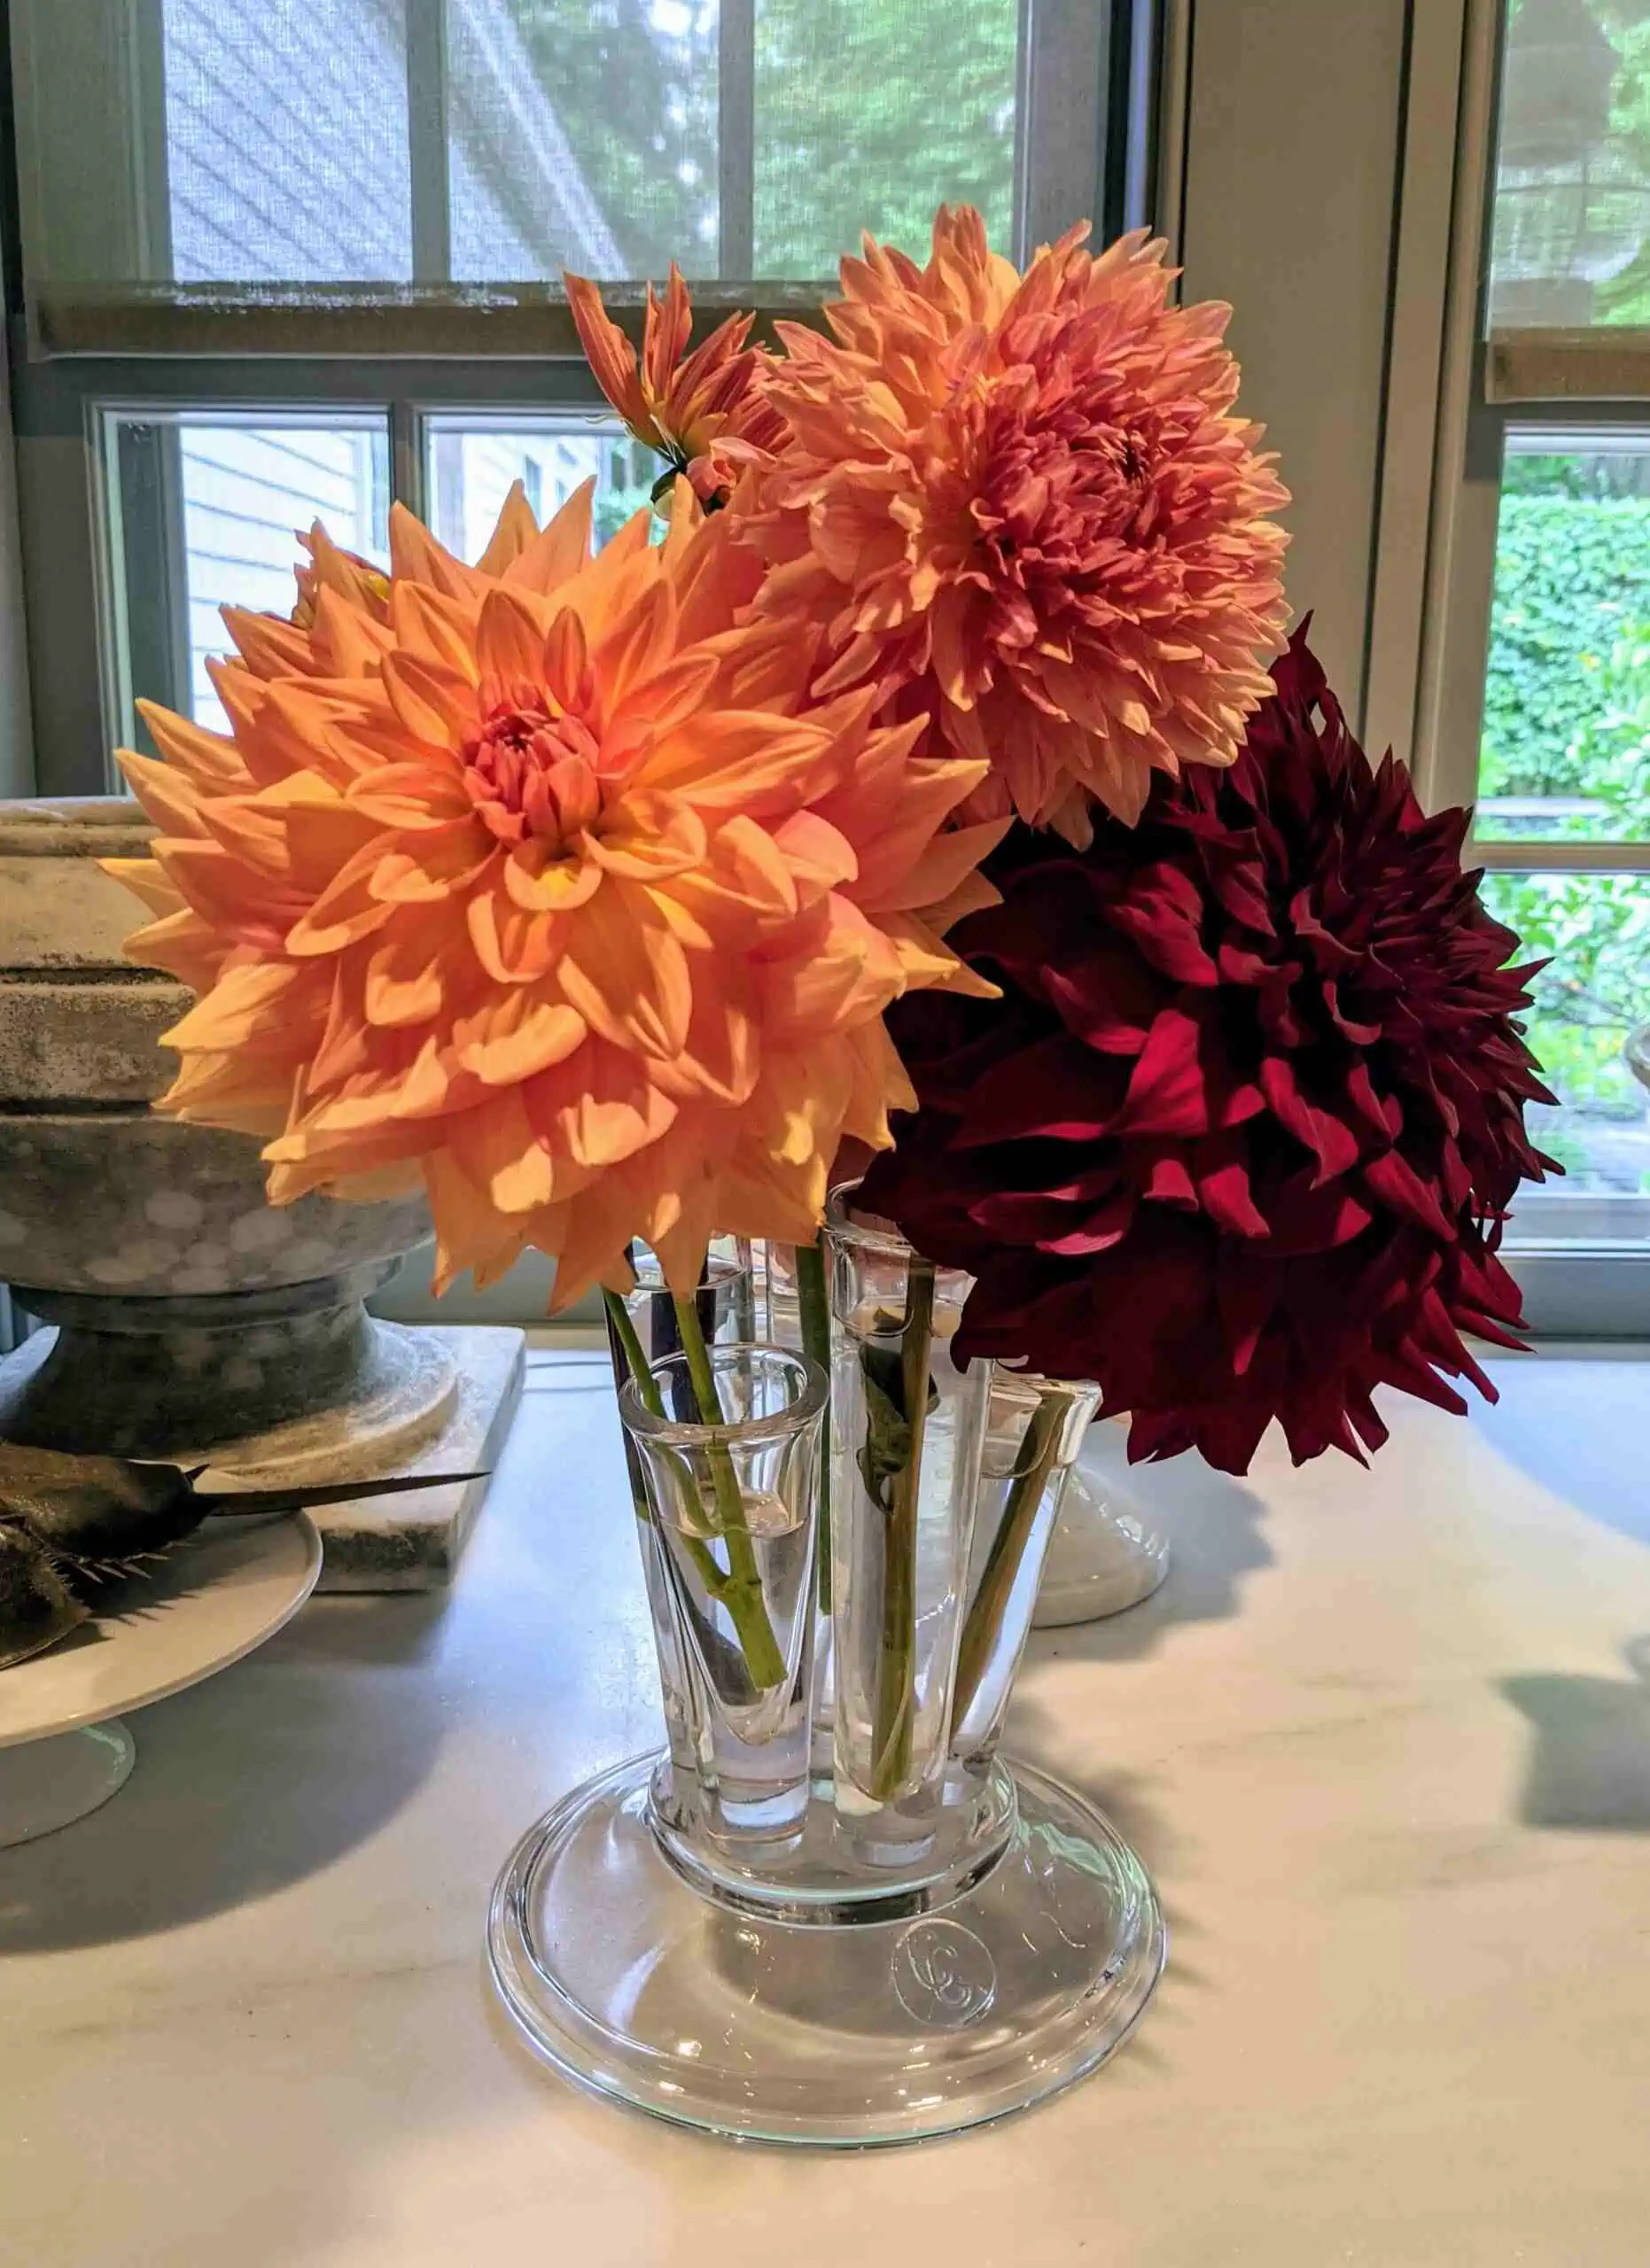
<point x="207" y="1604"/>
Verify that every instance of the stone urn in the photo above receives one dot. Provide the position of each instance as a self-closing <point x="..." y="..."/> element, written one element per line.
<point x="189" y="1319"/>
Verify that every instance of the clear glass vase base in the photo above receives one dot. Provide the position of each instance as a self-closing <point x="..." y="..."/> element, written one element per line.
<point x="639" y="1986"/>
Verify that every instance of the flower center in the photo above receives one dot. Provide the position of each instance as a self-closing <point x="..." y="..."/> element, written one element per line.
<point x="531" y="773"/>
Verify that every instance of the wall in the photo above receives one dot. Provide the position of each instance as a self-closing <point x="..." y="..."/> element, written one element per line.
<point x="1295" y="121"/>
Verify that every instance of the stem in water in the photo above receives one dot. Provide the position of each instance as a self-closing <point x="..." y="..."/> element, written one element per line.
<point x="894" y="1720"/>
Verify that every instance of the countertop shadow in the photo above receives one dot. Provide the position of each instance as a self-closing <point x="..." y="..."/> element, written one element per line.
<point x="1213" y="1525"/>
<point x="1589" y="1765"/>
<point x="246" y="1783"/>
<point x="1598" y="1465"/>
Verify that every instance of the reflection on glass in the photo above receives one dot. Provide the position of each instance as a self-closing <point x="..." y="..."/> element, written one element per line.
<point x="472" y="460"/>
<point x="204" y="514"/>
<point x="1571" y="234"/>
<point x="1594" y="929"/>
<point x="1565" y="755"/>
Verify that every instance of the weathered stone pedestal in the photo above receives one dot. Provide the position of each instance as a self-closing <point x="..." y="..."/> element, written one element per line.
<point x="192" y="1321"/>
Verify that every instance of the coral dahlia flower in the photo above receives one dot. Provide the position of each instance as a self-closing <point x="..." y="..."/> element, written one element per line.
<point x="1023" y="506"/>
<point x="540" y="882"/>
<point x="703" y="410"/>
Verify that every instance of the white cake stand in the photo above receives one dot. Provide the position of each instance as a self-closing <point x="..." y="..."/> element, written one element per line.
<point x="63" y="1748"/>
<point x="1105" y="1553"/>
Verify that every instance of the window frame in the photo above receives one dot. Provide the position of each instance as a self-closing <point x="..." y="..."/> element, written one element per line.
<point x="1454" y="394"/>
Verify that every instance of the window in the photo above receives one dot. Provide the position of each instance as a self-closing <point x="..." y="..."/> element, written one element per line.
<point x="200" y="510"/>
<point x="317" y="266"/>
<point x="1534" y="657"/>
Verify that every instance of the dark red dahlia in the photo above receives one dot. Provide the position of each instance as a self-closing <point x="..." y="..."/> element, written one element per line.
<point x="1239" y="1139"/>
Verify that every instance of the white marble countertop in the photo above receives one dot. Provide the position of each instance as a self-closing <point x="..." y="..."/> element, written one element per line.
<point x="1381" y="1739"/>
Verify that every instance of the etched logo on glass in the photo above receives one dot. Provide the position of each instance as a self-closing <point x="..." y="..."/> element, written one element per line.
<point x="943" y="1975"/>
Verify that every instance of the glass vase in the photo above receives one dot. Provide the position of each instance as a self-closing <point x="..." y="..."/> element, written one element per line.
<point x="1034" y="1430"/>
<point x="649" y="1330"/>
<point x="792" y="1306"/>
<point x="911" y="1427"/>
<point x="914" y="1939"/>
<point x="732" y="1505"/>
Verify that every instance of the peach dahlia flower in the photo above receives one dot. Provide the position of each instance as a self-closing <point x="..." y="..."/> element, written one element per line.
<point x="1022" y="506"/>
<point x="540" y="882"/>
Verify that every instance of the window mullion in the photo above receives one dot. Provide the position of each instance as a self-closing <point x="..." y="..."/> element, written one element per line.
<point x="407" y="473"/>
<point x="1534" y="857"/>
<point x="426" y="141"/>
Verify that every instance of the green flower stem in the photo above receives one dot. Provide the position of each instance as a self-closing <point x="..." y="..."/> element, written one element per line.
<point x="983" y="1625"/>
<point x="814" y="1308"/>
<point x="635" y="1356"/>
<point x="742" y="1592"/>
<point x="647" y="1386"/>
<point x="894" y="1720"/>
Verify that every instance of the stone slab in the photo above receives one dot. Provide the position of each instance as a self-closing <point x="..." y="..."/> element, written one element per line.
<point x="59" y="911"/>
<point x="413" y="1544"/>
<point x="88" y="1039"/>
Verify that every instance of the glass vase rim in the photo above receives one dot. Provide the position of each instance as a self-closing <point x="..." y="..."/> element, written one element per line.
<point x="688" y="1432"/>
<point x="1010" y="1369"/>
<point x="887" y="1242"/>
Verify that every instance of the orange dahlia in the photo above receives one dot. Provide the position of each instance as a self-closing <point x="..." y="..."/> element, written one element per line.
<point x="703" y="411"/>
<point x="542" y="883"/>
<point x="1022" y="507"/>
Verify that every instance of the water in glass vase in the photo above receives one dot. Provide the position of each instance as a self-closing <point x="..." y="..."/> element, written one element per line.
<point x="910" y="1425"/>
<point x="733" y="1510"/>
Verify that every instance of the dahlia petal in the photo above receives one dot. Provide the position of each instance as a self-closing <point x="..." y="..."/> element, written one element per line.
<point x="513" y="944"/>
<point x="655" y="837"/>
<point x="541" y="879"/>
<point x="497" y="1147"/>
<point x="637" y="645"/>
<point x="1331" y="1141"/>
<point x="759" y="765"/>
<point x="419" y="564"/>
<point x="511" y="1040"/>
<point x="244" y="1001"/>
<point x="944" y="867"/>
<point x="235" y="898"/>
<point x="508" y="639"/>
<point x="434" y="702"/>
<point x="432" y="625"/>
<point x="204" y="757"/>
<point x="267" y="645"/>
<point x="515" y="530"/>
<point x="1167" y="1093"/>
<point x="168" y="796"/>
<point x="560" y="549"/>
<point x="626" y="974"/>
<point x="397" y="795"/>
<point x="404" y="981"/>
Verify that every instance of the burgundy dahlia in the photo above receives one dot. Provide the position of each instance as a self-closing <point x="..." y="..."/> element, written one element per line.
<point x="1239" y="1139"/>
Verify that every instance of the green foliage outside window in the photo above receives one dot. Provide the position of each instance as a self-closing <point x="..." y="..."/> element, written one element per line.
<point x="1567" y="714"/>
<point x="866" y="113"/>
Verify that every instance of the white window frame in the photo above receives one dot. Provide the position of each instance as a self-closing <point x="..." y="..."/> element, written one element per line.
<point x="1451" y="396"/>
